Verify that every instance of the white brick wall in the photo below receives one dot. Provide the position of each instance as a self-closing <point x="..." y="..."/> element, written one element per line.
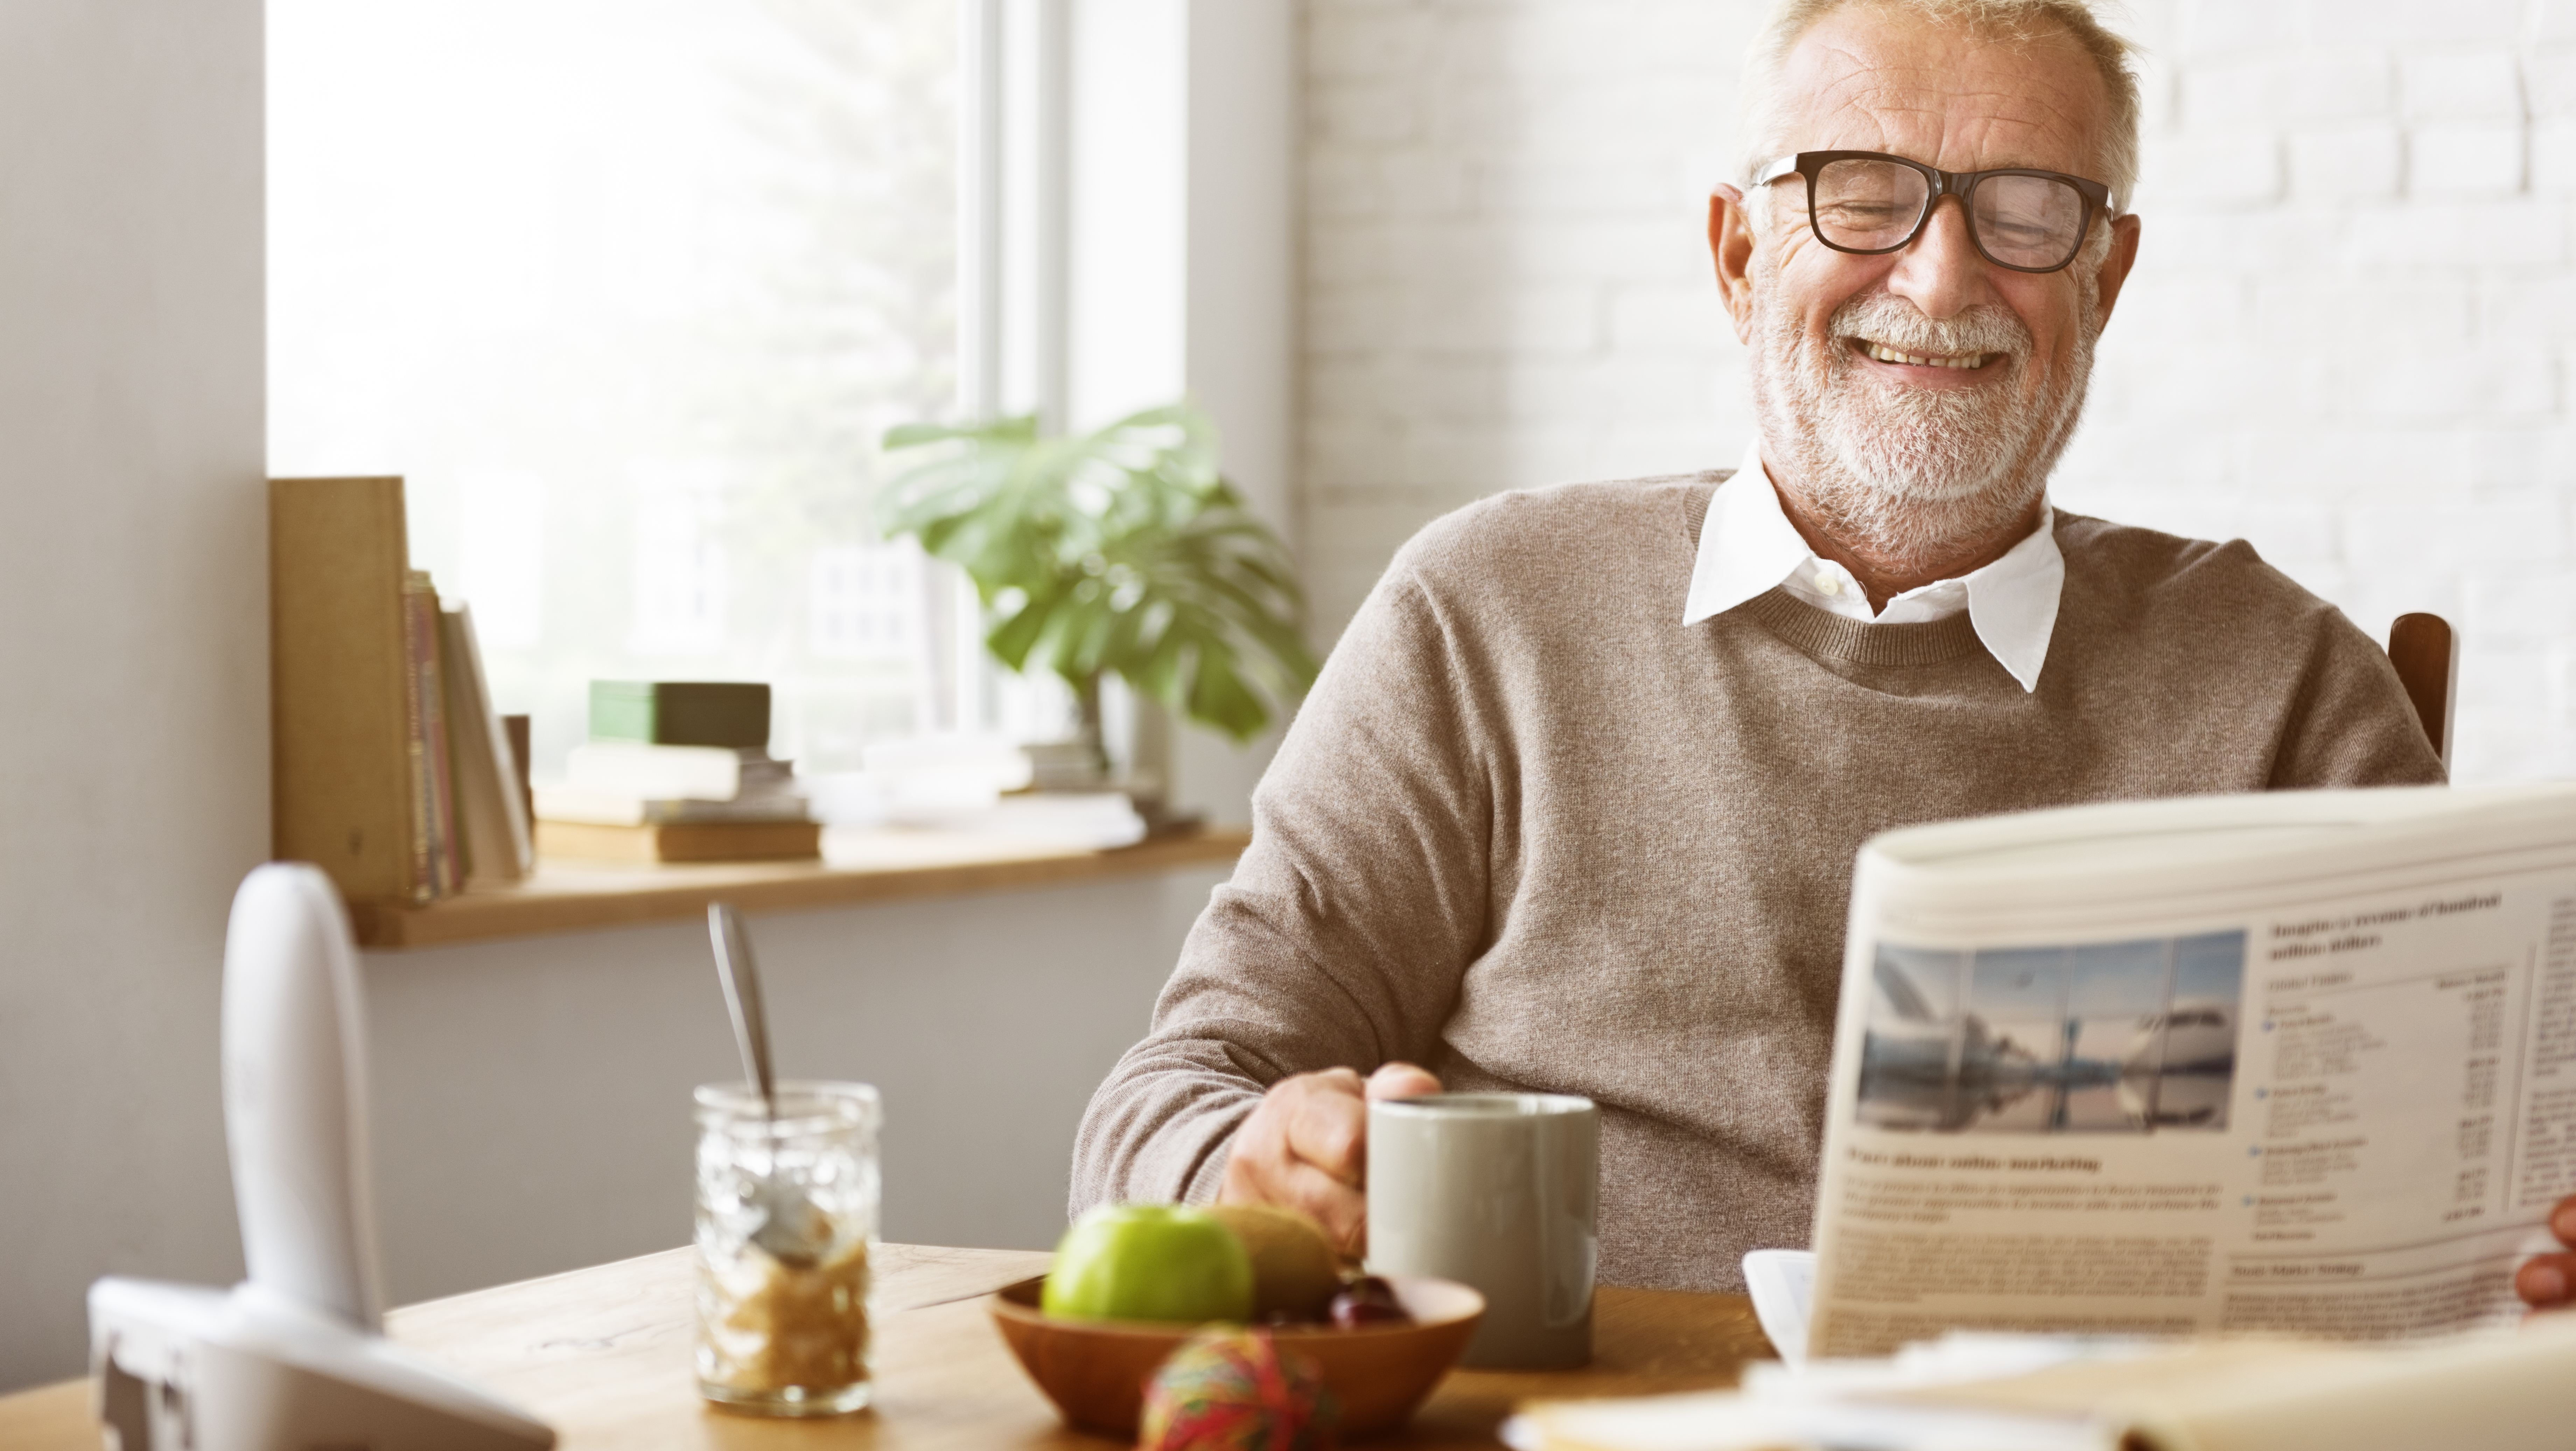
<point x="2347" y="339"/>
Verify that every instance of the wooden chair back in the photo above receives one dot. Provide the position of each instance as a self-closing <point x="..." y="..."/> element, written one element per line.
<point x="2427" y="658"/>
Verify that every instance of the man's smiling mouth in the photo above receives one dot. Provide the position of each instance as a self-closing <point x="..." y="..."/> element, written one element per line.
<point x="1885" y="354"/>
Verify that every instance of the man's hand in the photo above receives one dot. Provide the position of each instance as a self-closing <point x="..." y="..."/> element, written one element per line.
<point x="1306" y="1146"/>
<point x="2548" y="1282"/>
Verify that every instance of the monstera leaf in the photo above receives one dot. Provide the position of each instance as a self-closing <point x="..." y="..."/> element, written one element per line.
<point x="1123" y="553"/>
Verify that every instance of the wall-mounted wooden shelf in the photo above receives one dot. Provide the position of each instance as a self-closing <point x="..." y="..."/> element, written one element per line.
<point x="881" y="866"/>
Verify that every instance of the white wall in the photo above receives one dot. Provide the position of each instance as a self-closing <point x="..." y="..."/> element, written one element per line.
<point x="133" y="729"/>
<point x="532" y="1097"/>
<point x="2346" y="339"/>
<point x="1183" y="265"/>
<point x="1242" y="318"/>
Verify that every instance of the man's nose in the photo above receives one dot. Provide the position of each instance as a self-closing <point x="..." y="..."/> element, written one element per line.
<point x="1941" y="272"/>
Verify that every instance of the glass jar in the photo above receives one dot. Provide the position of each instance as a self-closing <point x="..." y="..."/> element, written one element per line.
<point x="787" y="1223"/>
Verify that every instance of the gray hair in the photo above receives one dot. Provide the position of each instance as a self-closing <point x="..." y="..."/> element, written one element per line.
<point x="2012" y="21"/>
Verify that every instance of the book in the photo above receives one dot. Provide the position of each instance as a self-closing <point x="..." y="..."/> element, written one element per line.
<point x="491" y="815"/>
<point x="516" y="727"/>
<point x="698" y="773"/>
<point x="343" y="786"/>
<point x="620" y="808"/>
<point x="730" y="714"/>
<point x="713" y="841"/>
<point x="701" y="773"/>
<point x="435" y="869"/>
<point x="628" y="783"/>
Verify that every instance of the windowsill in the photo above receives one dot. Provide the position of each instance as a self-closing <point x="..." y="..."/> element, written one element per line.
<point x="566" y="895"/>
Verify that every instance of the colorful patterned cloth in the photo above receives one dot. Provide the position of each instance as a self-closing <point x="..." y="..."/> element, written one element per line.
<point x="1232" y="1390"/>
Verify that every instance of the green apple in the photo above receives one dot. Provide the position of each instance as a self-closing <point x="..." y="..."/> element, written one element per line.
<point x="1149" y="1262"/>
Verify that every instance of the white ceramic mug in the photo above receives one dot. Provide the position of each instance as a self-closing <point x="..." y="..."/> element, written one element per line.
<point x="1499" y="1191"/>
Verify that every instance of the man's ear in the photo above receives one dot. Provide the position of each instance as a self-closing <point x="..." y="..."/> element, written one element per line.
<point x="2115" y="267"/>
<point x="1730" y="245"/>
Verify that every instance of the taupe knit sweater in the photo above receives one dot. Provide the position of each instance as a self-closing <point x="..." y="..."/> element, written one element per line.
<point x="1533" y="833"/>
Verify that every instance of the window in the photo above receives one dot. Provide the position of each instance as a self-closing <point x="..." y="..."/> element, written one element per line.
<point x="627" y="290"/>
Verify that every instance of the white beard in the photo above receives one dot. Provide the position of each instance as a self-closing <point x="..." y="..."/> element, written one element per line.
<point x="1909" y="477"/>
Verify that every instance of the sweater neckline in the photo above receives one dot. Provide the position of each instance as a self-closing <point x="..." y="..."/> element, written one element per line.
<point x="1824" y="633"/>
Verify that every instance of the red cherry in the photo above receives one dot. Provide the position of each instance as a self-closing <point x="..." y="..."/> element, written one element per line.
<point x="1368" y="1301"/>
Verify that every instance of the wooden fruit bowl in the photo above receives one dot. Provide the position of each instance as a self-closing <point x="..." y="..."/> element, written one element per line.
<point x="1095" y="1370"/>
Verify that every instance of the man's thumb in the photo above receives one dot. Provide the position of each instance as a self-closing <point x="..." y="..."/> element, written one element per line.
<point x="1401" y="1080"/>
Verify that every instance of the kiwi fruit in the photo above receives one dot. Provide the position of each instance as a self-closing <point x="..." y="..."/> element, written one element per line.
<point x="1295" y="1271"/>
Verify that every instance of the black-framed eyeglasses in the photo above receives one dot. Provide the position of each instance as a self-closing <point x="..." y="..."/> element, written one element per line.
<point x="1869" y="202"/>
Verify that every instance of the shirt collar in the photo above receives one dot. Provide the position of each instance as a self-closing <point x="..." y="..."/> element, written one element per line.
<point x="1747" y="546"/>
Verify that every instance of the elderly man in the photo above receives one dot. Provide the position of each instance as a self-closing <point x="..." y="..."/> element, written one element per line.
<point x="1574" y="805"/>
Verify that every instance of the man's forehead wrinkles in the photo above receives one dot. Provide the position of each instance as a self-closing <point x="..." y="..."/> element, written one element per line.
<point x="1961" y="104"/>
<point x="1964" y="130"/>
<point x="1967" y="137"/>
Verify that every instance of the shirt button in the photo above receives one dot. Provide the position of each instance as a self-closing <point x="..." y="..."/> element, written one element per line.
<point x="1826" y="584"/>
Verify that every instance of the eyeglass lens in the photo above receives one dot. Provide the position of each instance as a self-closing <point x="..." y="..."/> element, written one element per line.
<point x="2021" y="221"/>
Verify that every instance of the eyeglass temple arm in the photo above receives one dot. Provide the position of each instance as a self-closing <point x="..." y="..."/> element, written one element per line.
<point x="1785" y="166"/>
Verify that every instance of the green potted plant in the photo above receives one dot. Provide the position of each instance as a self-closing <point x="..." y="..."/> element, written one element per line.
<point x="1123" y="552"/>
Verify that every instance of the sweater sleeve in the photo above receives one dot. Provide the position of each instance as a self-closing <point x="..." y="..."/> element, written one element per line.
<point x="2351" y="723"/>
<point x="1342" y="938"/>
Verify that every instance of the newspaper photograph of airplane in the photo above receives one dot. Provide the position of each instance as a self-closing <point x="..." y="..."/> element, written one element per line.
<point x="2092" y="1038"/>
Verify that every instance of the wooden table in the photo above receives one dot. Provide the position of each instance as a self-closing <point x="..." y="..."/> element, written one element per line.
<point x="603" y="1356"/>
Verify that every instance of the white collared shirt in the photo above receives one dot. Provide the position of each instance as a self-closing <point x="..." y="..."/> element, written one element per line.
<point x="1747" y="545"/>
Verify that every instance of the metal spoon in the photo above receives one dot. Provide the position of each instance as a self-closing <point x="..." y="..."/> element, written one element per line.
<point x="792" y="1231"/>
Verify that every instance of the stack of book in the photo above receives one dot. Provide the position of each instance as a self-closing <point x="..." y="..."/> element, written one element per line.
<point x="391" y="770"/>
<point x="677" y="771"/>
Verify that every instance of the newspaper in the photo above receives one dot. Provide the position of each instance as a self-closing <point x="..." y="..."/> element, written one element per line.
<point x="1978" y="1392"/>
<point x="2301" y="1063"/>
